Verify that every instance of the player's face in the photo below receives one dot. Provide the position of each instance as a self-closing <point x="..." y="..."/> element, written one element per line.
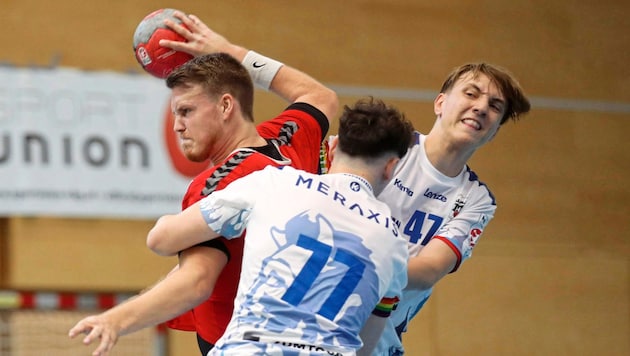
<point x="198" y="121"/>
<point x="471" y="111"/>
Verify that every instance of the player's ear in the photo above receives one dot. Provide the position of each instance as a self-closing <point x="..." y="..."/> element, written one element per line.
<point x="437" y="104"/>
<point x="226" y="104"/>
<point x="332" y="147"/>
<point x="388" y="173"/>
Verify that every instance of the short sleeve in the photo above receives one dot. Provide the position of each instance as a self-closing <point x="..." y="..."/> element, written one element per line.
<point x="227" y="211"/>
<point x="463" y="231"/>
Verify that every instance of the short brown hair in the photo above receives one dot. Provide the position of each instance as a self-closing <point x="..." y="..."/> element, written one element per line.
<point x="218" y="73"/>
<point x="516" y="101"/>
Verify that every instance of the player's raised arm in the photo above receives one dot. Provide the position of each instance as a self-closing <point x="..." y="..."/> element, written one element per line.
<point x="287" y="82"/>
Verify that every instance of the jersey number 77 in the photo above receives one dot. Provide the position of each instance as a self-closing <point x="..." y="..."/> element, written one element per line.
<point x="311" y="270"/>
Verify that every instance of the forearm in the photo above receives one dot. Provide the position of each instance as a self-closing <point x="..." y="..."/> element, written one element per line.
<point x="289" y="83"/>
<point x="422" y="275"/>
<point x="294" y="85"/>
<point x="181" y="290"/>
<point x="169" y="298"/>
<point x="371" y="333"/>
<point x="433" y="262"/>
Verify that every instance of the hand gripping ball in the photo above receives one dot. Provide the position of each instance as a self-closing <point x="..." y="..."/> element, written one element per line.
<point x="157" y="60"/>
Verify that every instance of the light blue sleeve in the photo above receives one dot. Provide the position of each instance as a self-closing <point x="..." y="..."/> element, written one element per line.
<point x="400" y="257"/>
<point x="227" y="211"/>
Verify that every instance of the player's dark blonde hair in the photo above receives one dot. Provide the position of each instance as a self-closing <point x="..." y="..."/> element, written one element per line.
<point x="370" y="128"/>
<point x="517" y="103"/>
<point x="218" y="73"/>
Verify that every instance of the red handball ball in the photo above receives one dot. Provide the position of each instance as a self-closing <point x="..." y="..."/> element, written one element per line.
<point x="157" y="60"/>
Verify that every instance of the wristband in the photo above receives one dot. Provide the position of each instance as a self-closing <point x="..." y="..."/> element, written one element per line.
<point x="262" y="69"/>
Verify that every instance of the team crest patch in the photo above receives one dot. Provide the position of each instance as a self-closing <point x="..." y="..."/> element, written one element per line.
<point x="458" y="206"/>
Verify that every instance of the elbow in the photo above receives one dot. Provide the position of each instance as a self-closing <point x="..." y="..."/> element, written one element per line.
<point x="332" y="106"/>
<point x="422" y="278"/>
<point x="419" y="283"/>
<point x="156" y="240"/>
<point x="153" y="242"/>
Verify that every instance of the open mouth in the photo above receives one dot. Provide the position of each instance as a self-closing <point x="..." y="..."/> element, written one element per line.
<point x="472" y="123"/>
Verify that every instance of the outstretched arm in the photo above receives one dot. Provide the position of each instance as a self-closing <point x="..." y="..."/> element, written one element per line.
<point x="184" y="288"/>
<point x="287" y="82"/>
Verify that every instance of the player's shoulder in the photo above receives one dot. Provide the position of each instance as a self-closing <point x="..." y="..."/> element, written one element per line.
<point x="273" y="170"/>
<point x="477" y="186"/>
<point x="415" y="152"/>
<point x="300" y="109"/>
<point x="273" y="175"/>
<point x="286" y="172"/>
<point x="196" y="187"/>
<point x="239" y="164"/>
<point x="199" y="181"/>
<point x="295" y="117"/>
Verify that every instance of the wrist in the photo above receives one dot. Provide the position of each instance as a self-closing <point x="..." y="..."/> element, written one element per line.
<point x="261" y="69"/>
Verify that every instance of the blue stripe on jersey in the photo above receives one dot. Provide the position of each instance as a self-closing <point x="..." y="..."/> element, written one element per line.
<point x="416" y="137"/>
<point x="472" y="176"/>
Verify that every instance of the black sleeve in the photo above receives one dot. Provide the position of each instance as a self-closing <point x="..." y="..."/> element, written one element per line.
<point x="216" y="243"/>
<point x="322" y="120"/>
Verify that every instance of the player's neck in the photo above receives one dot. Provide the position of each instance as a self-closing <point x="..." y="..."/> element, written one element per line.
<point x="362" y="171"/>
<point x="239" y="137"/>
<point x="448" y="159"/>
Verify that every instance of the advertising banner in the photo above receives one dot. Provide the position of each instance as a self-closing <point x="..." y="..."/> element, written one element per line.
<point x="88" y="144"/>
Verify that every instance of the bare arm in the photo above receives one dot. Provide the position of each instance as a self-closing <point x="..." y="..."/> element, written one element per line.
<point x="433" y="262"/>
<point x="296" y="86"/>
<point x="371" y="333"/>
<point x="174" y="233"/>
<point x="184" y="288"/>
<point x="289" y="83"/>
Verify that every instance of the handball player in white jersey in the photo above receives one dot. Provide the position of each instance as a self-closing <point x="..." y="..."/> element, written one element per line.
<point x="322" y="255"/>
<point x="439" y="204"/>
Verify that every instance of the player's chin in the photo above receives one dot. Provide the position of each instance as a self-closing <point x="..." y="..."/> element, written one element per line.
<point x="187" y="149"/>
<point x="194" y="156"/>
<point x="468" y="136"/>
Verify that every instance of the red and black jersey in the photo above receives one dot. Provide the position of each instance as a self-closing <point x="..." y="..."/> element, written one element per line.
<point x="293" y="138"/>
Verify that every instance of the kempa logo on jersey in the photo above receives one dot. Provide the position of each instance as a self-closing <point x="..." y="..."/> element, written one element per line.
<point x="180" y="163"/>
<point x="398" y="184"/>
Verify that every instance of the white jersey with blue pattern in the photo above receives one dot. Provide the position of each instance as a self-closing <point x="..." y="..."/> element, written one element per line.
<point x="320" y="253"/>
<point x="427" y="204"/>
